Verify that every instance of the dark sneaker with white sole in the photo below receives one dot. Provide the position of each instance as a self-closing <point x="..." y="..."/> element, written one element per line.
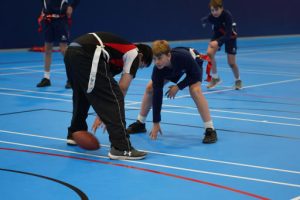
<point x="136" y="127"/>
<point x="210" y="136"/>
<point x="238" y="84"/>
<point x="70" y="140"/>
<point x="44" y="83"/>
<point x="133" y="154"/>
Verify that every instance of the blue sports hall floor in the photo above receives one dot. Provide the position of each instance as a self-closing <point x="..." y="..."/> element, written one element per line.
<point x="257" y="155"/>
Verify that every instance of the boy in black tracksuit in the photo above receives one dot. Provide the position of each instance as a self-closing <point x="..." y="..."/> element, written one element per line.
<point x="56" y="15"/>
<point x="92" y="61"/>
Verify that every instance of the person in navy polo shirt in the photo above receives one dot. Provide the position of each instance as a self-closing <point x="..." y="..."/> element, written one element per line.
<point x="170" y="66"/>
<point x="56" y="15"/>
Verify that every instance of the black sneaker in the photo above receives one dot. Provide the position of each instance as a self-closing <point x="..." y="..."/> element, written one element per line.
<point x="210" y="136"/>
<point x="136" y="127"/>
<point x="133" y="154"/>
<point x="238" y="84"/>
<point x="68" y="85"/>
<point x="70" y="140"/>
<point x="44" y="83"/>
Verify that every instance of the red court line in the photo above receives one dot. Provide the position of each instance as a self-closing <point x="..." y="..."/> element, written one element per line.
<point x="142" y="169"/>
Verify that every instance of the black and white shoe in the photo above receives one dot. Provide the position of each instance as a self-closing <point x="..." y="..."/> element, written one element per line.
<point x="133" y="154"/>
<point x="238" y="84"/>
<point x="136" y="127"/>
<point x="70" y="141"/>
<point x="210" y="136"/>
<point x="44" y="83"/>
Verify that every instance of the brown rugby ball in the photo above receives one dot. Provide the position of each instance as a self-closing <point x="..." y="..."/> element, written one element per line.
<point x="86" y="140"/>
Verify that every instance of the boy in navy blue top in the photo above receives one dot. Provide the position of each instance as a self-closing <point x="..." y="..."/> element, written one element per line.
<point x="223" y="33"/>
<point x="55" y="14"/>
<point x="171" y="65"/>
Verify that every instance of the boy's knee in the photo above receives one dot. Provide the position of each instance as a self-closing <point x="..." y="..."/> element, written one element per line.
<point x="195" y="88"/>
<point x="232" y="65"/>
<point x="210" y="54"/>
<point x="149" y="89"/>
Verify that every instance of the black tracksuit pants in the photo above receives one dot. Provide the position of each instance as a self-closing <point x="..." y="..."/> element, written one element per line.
<point x="106" y="98"/>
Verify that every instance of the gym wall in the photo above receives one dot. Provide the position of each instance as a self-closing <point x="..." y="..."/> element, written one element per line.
<point x="149" y="20"/>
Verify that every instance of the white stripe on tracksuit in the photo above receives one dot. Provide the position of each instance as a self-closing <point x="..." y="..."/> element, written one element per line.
<point x="100" y="49"/>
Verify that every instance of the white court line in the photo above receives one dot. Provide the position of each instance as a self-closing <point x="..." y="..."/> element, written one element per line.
<point x="296" y="198"/>
<point x="170" y="155"/>
<point x="257" y="71"/>
<point x="57" y="71"/>
<point x="245" y="87"/>
<point x="184" y="113"/>
<point x="254" y="114"/>
<point x="224" y="117"/>
<point x="35" y="97"/>
<point x="28" y="67"/>
<point x="36" y="92"/>
<point x="223" y="111"/>
<point x="162" y="166"/>
<point x="279" y="51"/>
<point x="184" y="96"/>
<point x="262" y="72"/>
<point x="246" y="56"/>
<point x="21" y="73"/>
<point x="174" y="112"/>
<point x="32" y="72"/>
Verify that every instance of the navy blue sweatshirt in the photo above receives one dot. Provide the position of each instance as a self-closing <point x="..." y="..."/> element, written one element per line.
<point x="182" y="63"/>
<point x="57" y="6"/>
<point x="222" y="26"/>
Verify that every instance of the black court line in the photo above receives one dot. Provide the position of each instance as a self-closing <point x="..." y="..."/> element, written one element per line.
<point x="20" y="112"/>
<point x="228" y="108"/>
<point x="142" y="169"/>
<point x="40" y="109"/>
<point x="167" y="123"/>
<point x="81" y="194"/>
<point x="228" y="130"/>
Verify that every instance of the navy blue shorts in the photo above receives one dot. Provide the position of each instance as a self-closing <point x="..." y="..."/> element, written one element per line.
<point x="197" y="72"/>
<point x="57" y="30"/>
<point x="230" y="45"/>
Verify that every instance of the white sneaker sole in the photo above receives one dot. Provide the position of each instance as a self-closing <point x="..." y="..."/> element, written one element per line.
<point x="71" y="142"/>
<point x="113" y="157"/>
